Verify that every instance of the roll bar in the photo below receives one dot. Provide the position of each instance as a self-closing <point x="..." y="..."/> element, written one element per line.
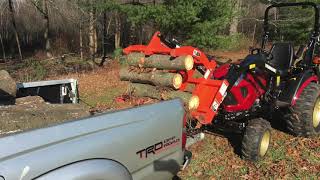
<point x="266" y="18"/>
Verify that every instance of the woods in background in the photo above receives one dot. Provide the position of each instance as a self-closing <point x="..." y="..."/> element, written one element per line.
<point x="95" y="28"/>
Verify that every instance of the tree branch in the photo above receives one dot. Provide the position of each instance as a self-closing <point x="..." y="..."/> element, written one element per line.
<point x="38" y="8"/>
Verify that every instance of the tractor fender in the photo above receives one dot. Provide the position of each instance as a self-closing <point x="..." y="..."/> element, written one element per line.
<point x="103" y="169"/>
<point x="295" y="86"/>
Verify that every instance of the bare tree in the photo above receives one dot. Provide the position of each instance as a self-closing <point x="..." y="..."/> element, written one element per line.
<point x="92" y="32"/>
<point x="47" y="29"/>
<point x="235" y="20"/>
<point x="117" y="35"/>
<point x="45" y="14"/>
<point x="104" y="38"/>
<point x="3" y="49"/>
<point x="81" y="39"/>
<point x="1" y="38"/>
<point x="13" y="20"/>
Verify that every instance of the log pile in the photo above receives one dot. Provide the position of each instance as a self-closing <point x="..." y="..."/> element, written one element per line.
<point x="160" y="61"/>
<point x="158" y="77"/>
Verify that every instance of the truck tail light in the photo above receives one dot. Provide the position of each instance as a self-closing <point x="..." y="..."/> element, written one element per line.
<point x="184" y="132"/>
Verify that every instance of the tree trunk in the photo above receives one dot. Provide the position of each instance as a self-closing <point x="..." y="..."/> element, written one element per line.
<point x="95" y="38"/>
<point x="47" y="28"/>
<point x="275" y="14"/>
<point x="160" y="61"/>
<point x="117" y="35"/>
<point x="81" y="40"/>
<point x="92" y="33"/>
<point x="104" y="40"/>
<point x="46" y="21"/>
<point x="144" y="90"/>
<point x="254" y="34"/>
<point x="141" y="34"/>
<point x="235" y="20"/>
<point x="3" y="49"/>
<point x="11" y="8"/>
<point x="172" y="80"/>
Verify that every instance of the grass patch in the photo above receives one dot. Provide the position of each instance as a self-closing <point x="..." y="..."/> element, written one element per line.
<point x="105" y="99"/>
<point x="310" y="157"/>
<point x="278" y="151"/>
<point x="244" y="170"/>
<point x="287" y="159"/>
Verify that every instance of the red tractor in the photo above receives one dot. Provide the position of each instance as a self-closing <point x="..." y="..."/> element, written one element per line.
<point x="273" y="81"/>
<point x="243" y="97"/>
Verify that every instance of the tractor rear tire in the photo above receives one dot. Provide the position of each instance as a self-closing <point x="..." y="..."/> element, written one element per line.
<point x="303" y="119"/>
<point x="256" y="139"/>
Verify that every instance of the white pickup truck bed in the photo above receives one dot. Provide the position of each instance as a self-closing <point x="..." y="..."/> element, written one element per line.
<point x="139" y="143"/>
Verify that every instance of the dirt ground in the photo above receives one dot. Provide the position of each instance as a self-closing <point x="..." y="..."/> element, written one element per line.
<point x="234" y="56"/>
<point x="32" y="112"/>
<point x="217" y="156"/>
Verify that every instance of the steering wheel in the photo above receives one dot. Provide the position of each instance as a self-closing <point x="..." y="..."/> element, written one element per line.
<point x="268" y="54"/>
<point x="255" y="51"/>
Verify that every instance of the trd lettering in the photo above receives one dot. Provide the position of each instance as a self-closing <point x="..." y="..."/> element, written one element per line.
<point x="154" y="149"/>
<point x="150" y="150"/>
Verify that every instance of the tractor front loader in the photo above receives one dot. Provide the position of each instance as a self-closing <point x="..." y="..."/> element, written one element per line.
<point x="207" y="92"/>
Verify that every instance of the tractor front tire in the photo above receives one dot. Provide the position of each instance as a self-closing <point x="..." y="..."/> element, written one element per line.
<point x="303" y="119"/>
<point x="256" y="139"/>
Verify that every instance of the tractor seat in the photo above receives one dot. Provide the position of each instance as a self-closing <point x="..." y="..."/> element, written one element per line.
<point x="283" y="57"/>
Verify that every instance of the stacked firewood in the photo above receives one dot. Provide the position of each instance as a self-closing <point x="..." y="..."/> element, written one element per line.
<point x="157" y="76"/>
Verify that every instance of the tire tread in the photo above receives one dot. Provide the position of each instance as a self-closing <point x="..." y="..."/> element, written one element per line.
<point x="252" y="137"/>
<point x="299" y="117"/>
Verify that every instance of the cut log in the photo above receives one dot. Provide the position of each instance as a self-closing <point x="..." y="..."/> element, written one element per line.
<point x="184" y="96"/>
<point x="160" y="61"/>
<point x="8" y="87"/>
<point x="144" y="90"/>
<point x="173" y="80"/>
